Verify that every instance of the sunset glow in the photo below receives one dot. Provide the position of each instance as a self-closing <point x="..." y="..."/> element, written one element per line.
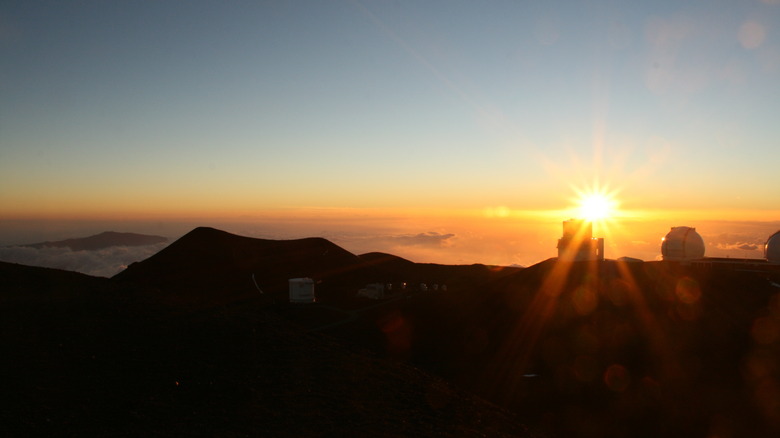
<point x="468" y="141"/>
<point x="596" y="206"/>
<point x="596" y="203"/>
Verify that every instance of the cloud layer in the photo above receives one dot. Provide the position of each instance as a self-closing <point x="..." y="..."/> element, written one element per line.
<point x="101" y="263"/>
<point x="430" y="238"/>
<point x="739" y="242"/>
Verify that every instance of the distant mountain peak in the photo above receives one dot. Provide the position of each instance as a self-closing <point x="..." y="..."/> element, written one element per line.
<point x="377" y="258"/>
<point x="208" y="258"/>
<point x="103" y="240"/>
<point x="206" y="230"/>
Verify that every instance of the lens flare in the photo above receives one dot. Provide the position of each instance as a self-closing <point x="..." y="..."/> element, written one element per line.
<point x="596" y="206"/>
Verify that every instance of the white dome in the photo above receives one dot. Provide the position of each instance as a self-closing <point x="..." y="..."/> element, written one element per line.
<point x="682" y="243"/>
<point x="772" y="248"/>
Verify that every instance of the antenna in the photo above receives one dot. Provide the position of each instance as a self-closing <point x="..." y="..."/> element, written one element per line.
<point x="255" y="282"/>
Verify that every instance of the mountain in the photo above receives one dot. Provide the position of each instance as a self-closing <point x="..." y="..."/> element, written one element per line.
<point x="217" y="265"/>
<point x="21" y="282"/>
<point x="102" y="240"/>
<point x="88" y="356"/>
<point x="388" y="260"/>
<point x="592" y="348"/>
<point x="611" y="348"/>
<point x="208" y="260"/>
<point x="432" y="273"/>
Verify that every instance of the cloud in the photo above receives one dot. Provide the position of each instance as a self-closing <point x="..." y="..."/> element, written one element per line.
<point x="738" y="246"/>
<point x="101" y="263"/>
<point x="429" y="239"/>
<point x="736" y="242"/>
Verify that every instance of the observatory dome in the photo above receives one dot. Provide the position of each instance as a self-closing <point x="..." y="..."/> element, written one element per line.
<point x="772" y="248"/>
<point x="682" y="244"/>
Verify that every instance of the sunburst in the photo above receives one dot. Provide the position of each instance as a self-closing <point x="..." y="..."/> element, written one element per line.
<point x="596" y="204"/>
<point x="596" y="207"/>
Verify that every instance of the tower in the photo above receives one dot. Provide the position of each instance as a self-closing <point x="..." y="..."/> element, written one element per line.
<point x="578" y="243"/>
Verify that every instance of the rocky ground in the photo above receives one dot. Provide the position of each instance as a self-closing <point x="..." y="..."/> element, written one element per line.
<point x="184" y="343"/>
<point x="84" y="358"/>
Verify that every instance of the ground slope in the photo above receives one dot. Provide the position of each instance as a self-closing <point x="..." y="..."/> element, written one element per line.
<point x="209" y="260"/>
<point x="573" y="349"/>
<point x="83" y="356"/>
<point x="602" y="349"/>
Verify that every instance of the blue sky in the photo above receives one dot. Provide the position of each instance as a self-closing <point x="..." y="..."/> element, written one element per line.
<point x="115" y="109"/>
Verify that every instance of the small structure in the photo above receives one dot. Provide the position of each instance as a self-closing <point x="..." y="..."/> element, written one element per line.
<point x="578" y="243"/>
<point x="373" y="291"/>
<point x="772" y="248"/>
<point x="302" y="290"/>
<point x="682" y="244"/>
<point x="629" y="260"/>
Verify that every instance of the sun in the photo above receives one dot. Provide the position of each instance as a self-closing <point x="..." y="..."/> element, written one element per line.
<point x="596" y="205"/>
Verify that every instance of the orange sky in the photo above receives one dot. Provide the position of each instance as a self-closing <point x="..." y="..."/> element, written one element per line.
<point x="496" y="235"/>
<point x="457" y="135"/>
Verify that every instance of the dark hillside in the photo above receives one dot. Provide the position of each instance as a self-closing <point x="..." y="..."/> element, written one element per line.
<point x="605" y="349"/>
<point x="387" y="260"/>
<point x="84" y="356"/>
<point x="26" y="282"/>
<point x="456" y="276"/>
<point x="210" y="261"/>
<point x="591" y="349"/>
<point x="573" y="349"/>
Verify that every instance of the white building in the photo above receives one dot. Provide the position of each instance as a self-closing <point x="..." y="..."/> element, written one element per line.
<point x="772" y="248"/>
<point x="682" y="244"/>
<point x="302" y="290"/>
<point x="374" y="291"/>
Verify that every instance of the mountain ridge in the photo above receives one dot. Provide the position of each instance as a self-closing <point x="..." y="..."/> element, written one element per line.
<point x="608" y="348"/>
<point x="103" y="240"/>
<point x="94" y="357"/>
<point x="205" y="259"/>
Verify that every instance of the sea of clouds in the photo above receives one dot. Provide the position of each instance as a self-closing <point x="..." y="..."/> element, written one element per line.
<point x="105" y="262"/>
<point x="524" y="244"/>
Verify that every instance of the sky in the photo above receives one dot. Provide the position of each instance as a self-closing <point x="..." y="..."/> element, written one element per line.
<point x="450" y="132"/>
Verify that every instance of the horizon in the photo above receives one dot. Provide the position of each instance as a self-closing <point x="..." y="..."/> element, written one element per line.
<point x="744" y="241"/>
<point x="451" y="133"/>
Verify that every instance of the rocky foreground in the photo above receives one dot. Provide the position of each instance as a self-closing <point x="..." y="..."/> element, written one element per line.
<point x="82" y="357"/>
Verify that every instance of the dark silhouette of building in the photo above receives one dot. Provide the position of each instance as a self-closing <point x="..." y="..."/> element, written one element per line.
<point x="578" y="243"/>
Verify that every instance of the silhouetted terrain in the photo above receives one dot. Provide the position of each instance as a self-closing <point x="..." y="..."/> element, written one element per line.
<point x="184" y="343"/>
<point x="102" y="240"/>
<point x="217" y="263"/>
<point x="83" y="356"/>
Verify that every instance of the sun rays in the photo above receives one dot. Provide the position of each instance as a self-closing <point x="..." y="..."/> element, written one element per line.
<point x="596" y="204"/>
<point x="599" y="205"/>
